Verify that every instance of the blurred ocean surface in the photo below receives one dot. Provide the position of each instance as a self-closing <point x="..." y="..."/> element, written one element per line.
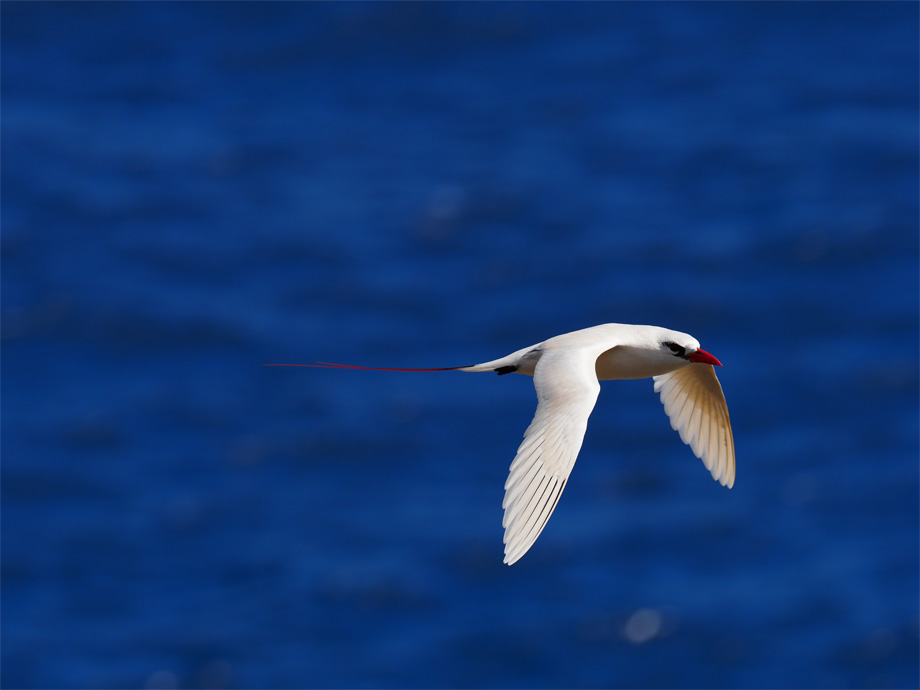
<point x="192" y="190"/>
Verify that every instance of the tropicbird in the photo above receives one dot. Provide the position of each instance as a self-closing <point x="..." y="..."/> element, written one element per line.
<point x="566" y="371"/>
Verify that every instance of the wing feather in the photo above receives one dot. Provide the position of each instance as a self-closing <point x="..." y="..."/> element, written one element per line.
<point x="693" y="400"/>
<point x="567" y="389"/>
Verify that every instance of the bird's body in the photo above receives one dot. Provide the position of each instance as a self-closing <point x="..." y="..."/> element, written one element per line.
<point x="622" y="351"/>
<point x="566" y="370"/>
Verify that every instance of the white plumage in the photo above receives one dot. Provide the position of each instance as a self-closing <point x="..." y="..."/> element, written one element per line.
<point x="566" y="372"/>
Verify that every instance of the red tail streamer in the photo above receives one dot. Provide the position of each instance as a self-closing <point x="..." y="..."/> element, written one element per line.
<point x="332" y="365"/>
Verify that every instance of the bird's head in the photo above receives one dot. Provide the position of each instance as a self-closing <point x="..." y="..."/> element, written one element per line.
<point x="685" y="347"/>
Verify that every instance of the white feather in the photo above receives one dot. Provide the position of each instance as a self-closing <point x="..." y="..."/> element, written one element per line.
<point x="567" y="389"/>
<point x="693" y="399"/>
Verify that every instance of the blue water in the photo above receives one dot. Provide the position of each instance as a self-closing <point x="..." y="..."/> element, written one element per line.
<point x="192" y="190"/>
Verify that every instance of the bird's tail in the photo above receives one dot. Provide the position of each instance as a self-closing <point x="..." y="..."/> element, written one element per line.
<point x="333" y="365"/>
<point x="522" y="362"/>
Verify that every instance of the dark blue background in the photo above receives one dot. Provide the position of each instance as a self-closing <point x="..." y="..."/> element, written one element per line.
<point x="192" y="190"/>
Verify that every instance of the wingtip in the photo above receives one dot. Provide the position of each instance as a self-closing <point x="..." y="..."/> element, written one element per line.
<point x="726" y="479"/>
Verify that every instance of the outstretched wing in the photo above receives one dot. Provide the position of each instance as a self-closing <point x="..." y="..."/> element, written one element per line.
<point x="693" y="399"/>
<point x="567" y="389"/>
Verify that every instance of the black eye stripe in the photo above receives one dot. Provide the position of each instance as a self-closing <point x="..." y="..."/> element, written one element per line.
<point x="675" y="348"/>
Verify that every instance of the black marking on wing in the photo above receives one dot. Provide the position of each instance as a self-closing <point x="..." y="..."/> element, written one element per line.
<point x="506" y="370"/>
<point x="558" y="489"/>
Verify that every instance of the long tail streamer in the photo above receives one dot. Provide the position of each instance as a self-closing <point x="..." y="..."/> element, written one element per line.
<point x="332" y="365"/>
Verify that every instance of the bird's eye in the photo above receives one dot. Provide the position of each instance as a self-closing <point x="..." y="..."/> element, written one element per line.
<point x="675" y="348"/>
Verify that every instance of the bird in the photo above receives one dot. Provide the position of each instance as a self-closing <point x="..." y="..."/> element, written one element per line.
<point x="567" y="370"/>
